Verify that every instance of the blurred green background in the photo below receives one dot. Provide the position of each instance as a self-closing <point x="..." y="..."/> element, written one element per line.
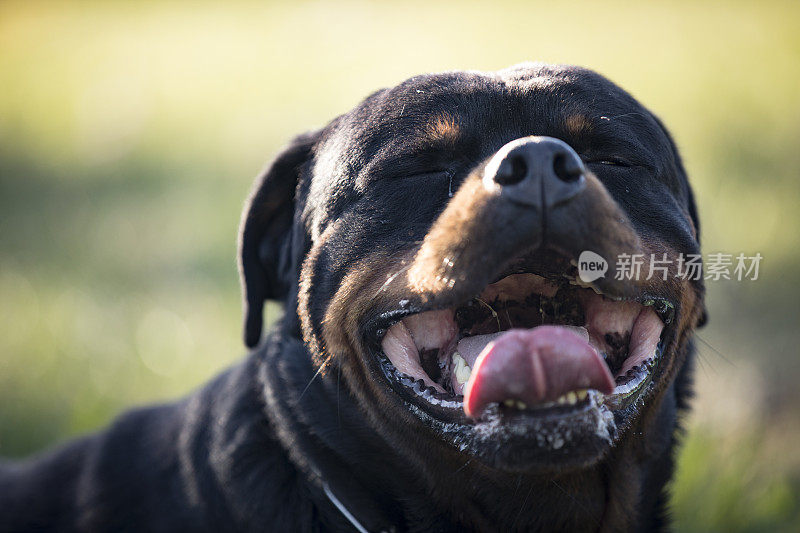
<point x="130" y="133"/>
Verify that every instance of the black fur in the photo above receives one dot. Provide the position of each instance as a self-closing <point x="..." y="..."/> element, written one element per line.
<point x="253" y="449"/>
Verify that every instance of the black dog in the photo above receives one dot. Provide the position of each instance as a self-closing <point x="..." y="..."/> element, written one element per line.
<point x="403" y="238"/>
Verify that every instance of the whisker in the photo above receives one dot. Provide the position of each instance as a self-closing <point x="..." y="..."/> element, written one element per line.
<point x="722" y="355"/>
<point x="524" y="504"/>
<point x="576" y="502"/>
<point x="392" y="278"/>
<point x="494" y="313"/>
<point x="702" y="362"/>
<point x="460" y="468"/>
<point x="633" y="113"/>
<point x="317" y="373"/>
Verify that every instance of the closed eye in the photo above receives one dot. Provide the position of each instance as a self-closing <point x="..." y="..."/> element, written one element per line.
<point x="612" y="161"/>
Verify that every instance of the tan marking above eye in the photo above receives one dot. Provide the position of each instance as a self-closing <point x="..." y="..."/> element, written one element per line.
<point x="577" y="124"/>
<point x="443" y="127"/>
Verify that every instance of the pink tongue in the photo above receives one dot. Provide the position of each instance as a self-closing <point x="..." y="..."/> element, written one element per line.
<point x="534" y="365"/>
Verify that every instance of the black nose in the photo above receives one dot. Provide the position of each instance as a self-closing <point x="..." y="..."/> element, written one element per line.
<point x="536" y="171"/>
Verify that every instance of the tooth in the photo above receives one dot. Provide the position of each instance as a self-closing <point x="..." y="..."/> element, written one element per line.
<point x="562" y="399"/>
<point x="521" y="405"/>
<point x="458" y="362"/>
<point x="462" y="370"/>
<point x="571" y="397"/>
<point x="462" y="374"/>
<point x="581" y="394"/>
<point x="508" y="403"/>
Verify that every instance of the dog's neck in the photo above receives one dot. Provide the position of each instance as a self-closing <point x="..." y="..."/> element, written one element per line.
<point x="323" y="434"/>
<point x="326" y="435"/>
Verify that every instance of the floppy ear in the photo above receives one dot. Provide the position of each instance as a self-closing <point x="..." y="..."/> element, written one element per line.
<point x="265" y="234"/>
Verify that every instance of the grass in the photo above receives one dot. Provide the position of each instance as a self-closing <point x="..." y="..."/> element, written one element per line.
<point x="130" y="133"/>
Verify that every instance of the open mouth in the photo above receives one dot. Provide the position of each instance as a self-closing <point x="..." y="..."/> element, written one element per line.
<point x="526" y="346"/>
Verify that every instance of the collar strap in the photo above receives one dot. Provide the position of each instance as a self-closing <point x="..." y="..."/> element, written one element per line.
<point x="342" y="509"/>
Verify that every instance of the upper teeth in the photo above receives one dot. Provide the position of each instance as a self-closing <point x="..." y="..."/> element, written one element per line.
<point x="462" y="369"/>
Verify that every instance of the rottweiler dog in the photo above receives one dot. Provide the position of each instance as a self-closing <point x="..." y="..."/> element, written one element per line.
<point x="441" y="364"/>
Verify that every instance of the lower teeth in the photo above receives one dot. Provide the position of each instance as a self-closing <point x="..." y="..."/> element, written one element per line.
<point x="570" y="398"/>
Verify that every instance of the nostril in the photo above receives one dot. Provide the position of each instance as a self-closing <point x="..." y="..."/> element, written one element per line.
<point x="567" y="168"/>
<point x="512" y="169"/>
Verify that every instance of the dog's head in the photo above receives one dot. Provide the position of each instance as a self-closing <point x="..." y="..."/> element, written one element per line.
<point x="430" y="240"/>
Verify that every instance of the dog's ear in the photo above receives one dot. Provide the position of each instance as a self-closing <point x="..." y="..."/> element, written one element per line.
<point x="265" y="233"/>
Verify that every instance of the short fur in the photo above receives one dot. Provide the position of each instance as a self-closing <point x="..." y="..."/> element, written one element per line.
<point x="330" y="220"/>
